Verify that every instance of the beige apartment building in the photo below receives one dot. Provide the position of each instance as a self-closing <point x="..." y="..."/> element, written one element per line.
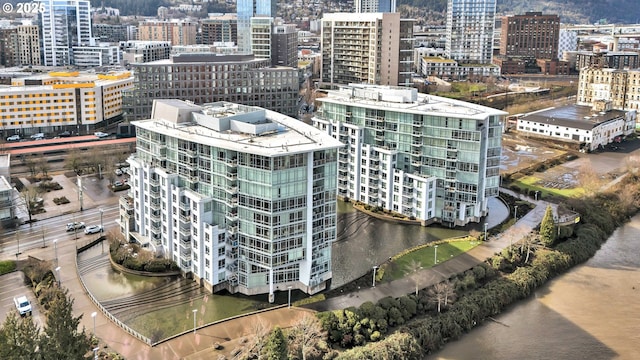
<point x="178" y="32"/>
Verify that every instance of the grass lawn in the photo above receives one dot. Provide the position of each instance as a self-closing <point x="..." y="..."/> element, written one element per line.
<point x="425" y="257"/>
<point x="528" y="182"/>
<point x="7" y="266"/>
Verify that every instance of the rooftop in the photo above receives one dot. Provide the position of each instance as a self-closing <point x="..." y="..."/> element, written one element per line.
<point x="242" y="128"/>
<point x="407" y="100"/>
<point x="574" y="116"/>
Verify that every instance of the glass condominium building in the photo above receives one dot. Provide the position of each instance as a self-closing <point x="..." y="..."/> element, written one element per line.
<point x="430" y="158"/>
<point x="242" y="198"/>
<point x="470" y="25"/>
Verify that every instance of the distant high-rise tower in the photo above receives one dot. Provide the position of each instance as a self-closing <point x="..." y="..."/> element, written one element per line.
<point x="367" y="6"/>
<point x="370" y="48"/>
<point x="65" y="24"/>
<point x="246" y="10"/>
<point x="532" y="35"/>
<point x="470" y="26"/>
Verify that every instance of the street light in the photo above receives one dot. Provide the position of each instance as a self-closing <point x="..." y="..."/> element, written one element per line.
<point x="289" y="287"/>
<point x="18" y="241"/>
<point x="55" y="248"/>
<point x="515" y="212"/>
<point x="44" y="245"/>
<point x="58" y="275"/>
<point x="485" y="231"/>
<point x="374" y="275"/>
<point x="435" y="254"/>
<point x="194" y="320"/>
<point x="93" y="315"/>
<point x="101" y="227"/>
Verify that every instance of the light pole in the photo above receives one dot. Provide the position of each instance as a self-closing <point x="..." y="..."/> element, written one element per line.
<point x="435" y="254"/>
<point x="374" y="275"/>
<point x="101" y="227"/>
<point x="55" y="249"/>
<point x="58" y="275"/>
<point x="194" y="320"/>
<point x="515" y="212"/>
<point x="485" y="231"/>
<point x="93" y="315"/>
<point x="18" y="241"/>
<point x="44" y="245"/>
<point x="537" y="191"/>
<point x="289" y="288"/>
<point x="95" y="353"/>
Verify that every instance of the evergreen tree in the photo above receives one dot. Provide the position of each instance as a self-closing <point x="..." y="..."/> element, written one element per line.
<point x="548" y="228"/>
<point x="18" y="337"/>
<point x="276" y="348"/>
<point x="61" y="338"/>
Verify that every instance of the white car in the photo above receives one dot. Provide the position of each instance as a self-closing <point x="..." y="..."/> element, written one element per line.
<point x="22" y="305"/>
<point x="13" y="138"/>
<point x="100" y="134"/>
<point x="93" y="229"/>
<point x="118" y="172"/>
<point x="75" y="226"/>
<point x="38" y="136"/>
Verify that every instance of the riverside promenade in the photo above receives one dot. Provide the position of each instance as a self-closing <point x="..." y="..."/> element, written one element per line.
<point x="230" y="333"/>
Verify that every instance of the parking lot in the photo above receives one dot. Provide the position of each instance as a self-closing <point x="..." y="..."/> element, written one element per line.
<point x="12" y="285"/>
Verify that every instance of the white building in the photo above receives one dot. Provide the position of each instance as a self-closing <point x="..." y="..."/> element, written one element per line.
<point x="591" y="127"/>
<point x="470" y="25"/>
<point x="65" y="24"/>
<point x="242" y="198"/>
<point x="431" y="158"/>
<point x="95" y="56"/>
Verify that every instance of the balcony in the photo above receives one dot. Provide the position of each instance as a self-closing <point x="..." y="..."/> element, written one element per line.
<point x="154" y="205"/>
<point x="232" y="216"/>
<point x="232" y="230"/>
<point x="154" y="181"/>
<point x="233" y="190"/>
<point x="231" y="162"/>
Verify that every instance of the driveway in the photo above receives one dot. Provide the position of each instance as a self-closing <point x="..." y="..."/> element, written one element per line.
<point x="12" y="285"/>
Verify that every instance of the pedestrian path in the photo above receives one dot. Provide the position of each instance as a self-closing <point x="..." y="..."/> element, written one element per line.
<point x="444" y="270"/>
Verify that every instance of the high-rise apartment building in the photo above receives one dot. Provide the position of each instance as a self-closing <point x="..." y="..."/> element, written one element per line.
<point x="205" y="78"/>
<point x="532" y="35"/>
<point x="8" y="46"/>
<point x="261" y="37"/>
<point x="374" y="6"/>
<point x="241" y="198"/>
<point x="470" y="25"/>
<point x="19" y="45"/>
<point x="284" y="45"/>
<point x="370" y="48"/>
<point x="219" y="28"/>
<point x="246" y="10"/>
<point x="430" y="158"/>
<point x="65" y="24"/>
<point x="177" y="32"/>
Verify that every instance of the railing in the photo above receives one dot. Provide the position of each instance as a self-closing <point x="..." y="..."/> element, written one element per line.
<point x="106" y="313"/>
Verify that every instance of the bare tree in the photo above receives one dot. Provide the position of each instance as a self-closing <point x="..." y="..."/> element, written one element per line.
<point x="32" y="165"/>
<point x="307" y="338"/>
<point x="589" y="179"/>
<point x="254" y="346"/>
<point x="43" y="165"/>
<point x="74" y="160"/>
<point x="29" y="200"/>
<point x="441" y="294"/>
<point x="413" y="267"/>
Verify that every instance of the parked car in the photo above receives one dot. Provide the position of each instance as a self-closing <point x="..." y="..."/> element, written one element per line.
<point x="75" y="226"/>
<point x="118" y="183"/>
<point x="14" y="138"/>
<point x="118" y="172"/>
<point x="38" y="136"/>
<point x="22" y="305"/>
<point x="93" y="229"/>
<point x="64" y="134"/>
<point x="100" y="134"/>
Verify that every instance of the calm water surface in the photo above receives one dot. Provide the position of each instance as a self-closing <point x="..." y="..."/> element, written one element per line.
<point x="592" y="312"/>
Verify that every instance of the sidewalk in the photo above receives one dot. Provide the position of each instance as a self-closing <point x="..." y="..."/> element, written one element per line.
<point x="444" y="270"/>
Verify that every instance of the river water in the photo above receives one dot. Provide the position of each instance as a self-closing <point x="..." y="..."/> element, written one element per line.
<point x="591" y="312"/>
